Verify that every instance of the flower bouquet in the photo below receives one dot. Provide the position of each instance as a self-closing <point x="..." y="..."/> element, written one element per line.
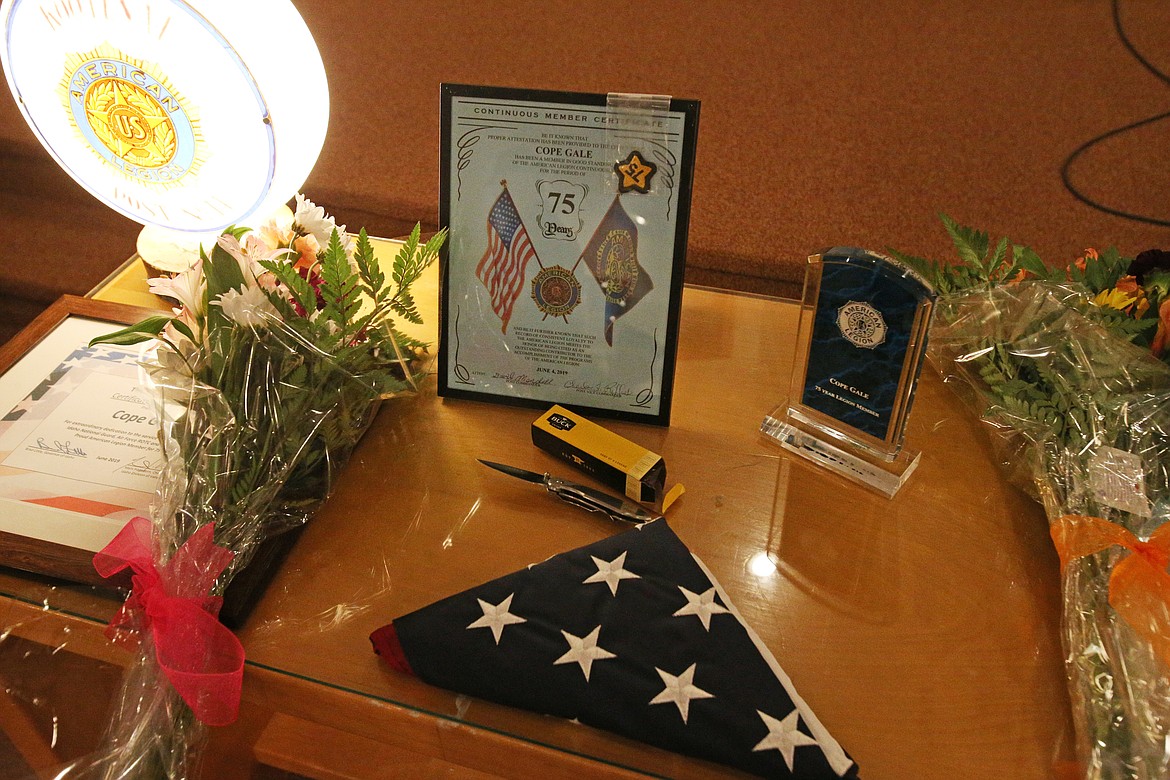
<point x="1067" y="366"/>
<point x="265" y="378"/>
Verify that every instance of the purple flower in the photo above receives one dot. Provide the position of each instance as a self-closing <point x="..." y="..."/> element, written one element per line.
<point x="1149" y="260"/>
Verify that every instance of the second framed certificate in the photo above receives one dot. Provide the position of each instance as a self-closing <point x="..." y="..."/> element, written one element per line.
<point x="563" y="270"/>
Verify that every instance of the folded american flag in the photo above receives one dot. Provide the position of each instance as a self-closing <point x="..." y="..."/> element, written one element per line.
<point x="631" y="634"/>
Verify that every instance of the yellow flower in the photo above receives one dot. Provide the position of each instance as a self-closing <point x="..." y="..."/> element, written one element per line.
<point x="1125" y="296"/>
<point x="1115" y="299"/>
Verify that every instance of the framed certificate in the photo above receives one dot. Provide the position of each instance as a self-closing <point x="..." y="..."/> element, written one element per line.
<point x="79" y="452"/>
<point x="563" y="269"/>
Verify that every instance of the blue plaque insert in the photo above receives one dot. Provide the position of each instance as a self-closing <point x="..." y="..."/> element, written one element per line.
<point x="860" y="347"/>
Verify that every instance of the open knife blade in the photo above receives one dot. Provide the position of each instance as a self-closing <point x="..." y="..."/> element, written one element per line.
<point x="580" y="495"/>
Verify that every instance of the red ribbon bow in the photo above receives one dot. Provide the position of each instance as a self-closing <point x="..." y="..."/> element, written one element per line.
<point x="201" y="658"/>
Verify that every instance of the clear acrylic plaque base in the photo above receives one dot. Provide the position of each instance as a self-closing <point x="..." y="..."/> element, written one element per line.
<point x="795" y="433"/>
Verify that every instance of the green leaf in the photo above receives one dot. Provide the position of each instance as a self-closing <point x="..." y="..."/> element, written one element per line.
<point x="339" y="285"/>
<point x="1114" y="264"/>
<point x="995" y="263"/>
<point x="1157" y="284"/>
<point x="222" y="272"/>
<point x="971" y="244"/>
<point x="183" y="328"/>
<point x="300" y="288"/>
<point x="1025" y="259"/>
<point x="145" y="330"/>
<point x="368" y="268"/>
<point x="1096" y="278"/>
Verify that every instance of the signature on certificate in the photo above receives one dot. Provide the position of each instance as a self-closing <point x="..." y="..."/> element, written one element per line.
<point x="142" y="465"/>
<point x="61" y="448"/>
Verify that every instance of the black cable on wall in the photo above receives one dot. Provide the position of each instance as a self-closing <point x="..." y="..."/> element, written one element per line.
<point x="1087" y="145"/>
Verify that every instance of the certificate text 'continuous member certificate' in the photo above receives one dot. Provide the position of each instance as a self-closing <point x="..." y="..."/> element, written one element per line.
<point x="563" y="272"/>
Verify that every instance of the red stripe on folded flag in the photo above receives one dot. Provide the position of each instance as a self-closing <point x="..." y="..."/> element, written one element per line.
<point x="386" y="644"/>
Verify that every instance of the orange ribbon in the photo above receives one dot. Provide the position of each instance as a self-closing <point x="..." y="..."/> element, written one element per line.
<point x="1139" y="587"/>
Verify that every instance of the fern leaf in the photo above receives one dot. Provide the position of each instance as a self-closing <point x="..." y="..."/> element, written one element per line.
<point x="338" y="285"/>
<point x="995" y="262"/>
<point x="931" y="270"/>
<point x="405" y="260"/>
<point x="368" y="268"/>
<point x="971" y="244"/>
<point x="404" y="306"/>
<point x="301" y="290"/>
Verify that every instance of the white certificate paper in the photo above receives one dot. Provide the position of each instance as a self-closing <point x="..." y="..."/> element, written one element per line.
<point x="104" y="433"/>
<point x="80" y="443"/>
<point x="567" y="218"/>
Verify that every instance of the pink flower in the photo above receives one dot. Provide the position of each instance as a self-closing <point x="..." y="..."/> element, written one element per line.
<point x="307" y="248"/>
<point x="249" y="255"/>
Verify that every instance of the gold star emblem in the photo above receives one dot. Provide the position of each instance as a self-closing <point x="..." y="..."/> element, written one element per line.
<point x="130" y="122"/>
<point x="635" y="173"/>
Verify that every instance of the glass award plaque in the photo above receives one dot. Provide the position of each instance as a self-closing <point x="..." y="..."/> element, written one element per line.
<point x="860" y="345"/>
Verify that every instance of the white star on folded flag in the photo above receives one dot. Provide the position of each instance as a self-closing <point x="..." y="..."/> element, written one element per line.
<point x="636" y="662"/>
<point x="783" y="736"/>
<point x="702" y="605"/>
<point x="680" y="690"/>
<point x="611" y="572"/>
<point x="584" y="651"/>
<point x="496" y="617"/>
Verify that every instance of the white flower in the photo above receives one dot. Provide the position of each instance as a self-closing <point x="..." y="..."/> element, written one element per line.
<point x="313" y="220"/>
<point x="278" y="230"/>
<point x="187" y="288"/>
<point x="250" y="307"/>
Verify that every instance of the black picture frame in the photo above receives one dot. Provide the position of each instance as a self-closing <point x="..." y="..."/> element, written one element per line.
<point x="486" y="133"/>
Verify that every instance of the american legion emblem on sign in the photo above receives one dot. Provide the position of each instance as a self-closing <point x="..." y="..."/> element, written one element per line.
<point x="556" y="291"/>
<point x="130" y="116"/>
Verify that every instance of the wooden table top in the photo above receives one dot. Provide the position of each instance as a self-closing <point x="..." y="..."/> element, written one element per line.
<point x="923" y="630"/>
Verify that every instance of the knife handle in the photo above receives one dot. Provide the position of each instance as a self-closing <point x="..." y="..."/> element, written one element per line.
<point x="599" y="501"/>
